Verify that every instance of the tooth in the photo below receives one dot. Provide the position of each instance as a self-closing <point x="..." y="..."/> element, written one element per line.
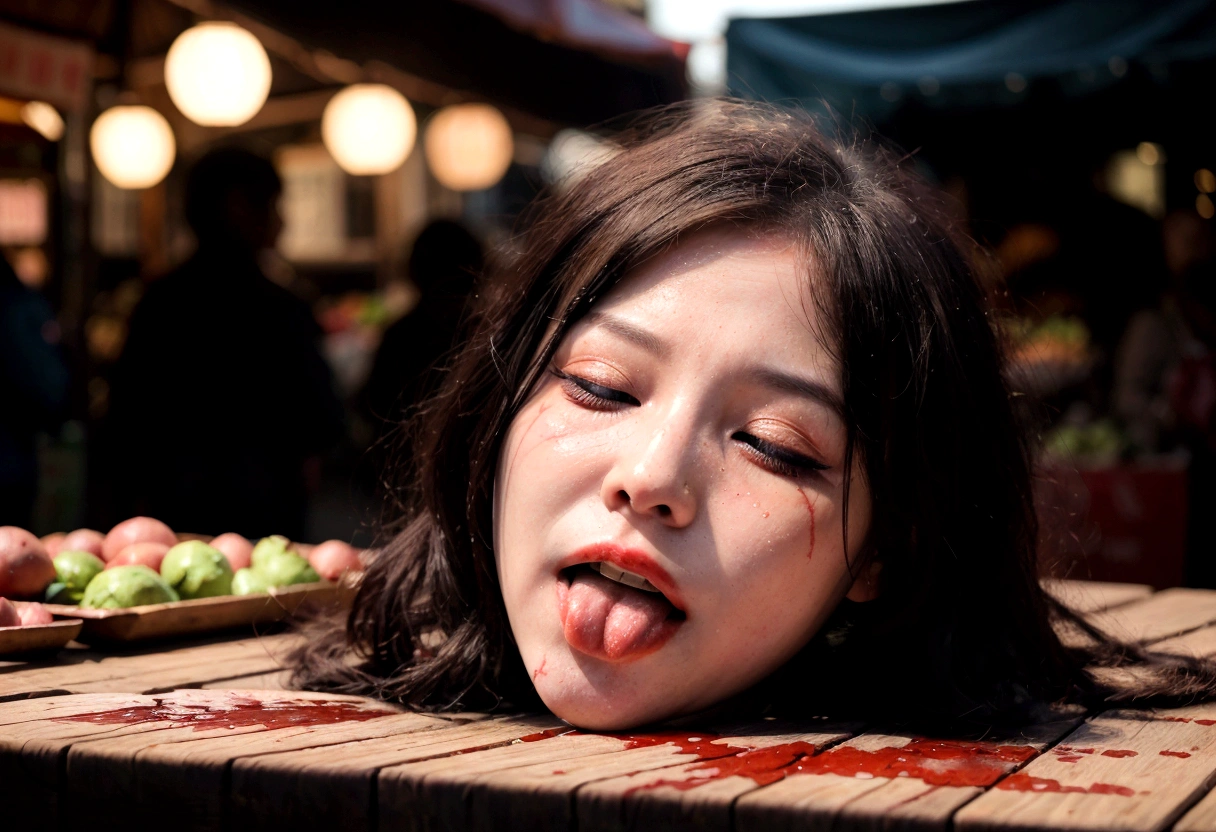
<point x="611" y="572"/>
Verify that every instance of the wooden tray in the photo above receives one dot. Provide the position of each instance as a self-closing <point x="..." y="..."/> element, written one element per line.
<point x="200" y="615"/>
<point x="39" y="638"/>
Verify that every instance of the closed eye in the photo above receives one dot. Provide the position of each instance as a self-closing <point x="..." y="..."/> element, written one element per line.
<point x="595" y="396"/>
<point x="777" y="459"/>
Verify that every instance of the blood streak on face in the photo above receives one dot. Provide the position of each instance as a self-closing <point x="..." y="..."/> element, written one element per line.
<point x="810" y="510"/>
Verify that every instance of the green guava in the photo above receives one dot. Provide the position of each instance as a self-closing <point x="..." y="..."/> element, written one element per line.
<point x="248" y="582"/>
<point x="73" y="571"/>
<point x="197" y="570"/>
<point x="126" y="586"/>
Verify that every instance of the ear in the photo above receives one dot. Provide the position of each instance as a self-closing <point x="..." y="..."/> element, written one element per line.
<point x="865" y="585"/>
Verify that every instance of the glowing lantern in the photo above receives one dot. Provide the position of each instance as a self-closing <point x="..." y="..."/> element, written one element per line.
<point x="133" y="146"/>
<point x="218" y="74"/>
<point x="469" y="146"/>
<point x="368" y="128"/>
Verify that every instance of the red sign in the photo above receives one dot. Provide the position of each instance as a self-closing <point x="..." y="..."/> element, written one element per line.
<point x="40" y="67"/>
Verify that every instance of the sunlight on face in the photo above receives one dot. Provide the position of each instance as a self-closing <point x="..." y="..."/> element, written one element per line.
<point x="668" y="503"/>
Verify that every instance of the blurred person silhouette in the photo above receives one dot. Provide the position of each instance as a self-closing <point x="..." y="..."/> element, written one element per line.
<point x="1165" y="379"/>
<point x="444" y="263"/>
<point x="33" y="392"/>
<point x="221" y="400"/>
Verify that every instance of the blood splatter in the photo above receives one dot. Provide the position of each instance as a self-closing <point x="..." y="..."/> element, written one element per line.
<point x="810" y="510"/>
<point x="1119" y="753"/>
<point x="236" y="713"/>
<point x="1182" y="754"/>
<point x="548" y="733"/>
<point x="1205" y="722"/>
<point x="1021" y="782"/>
<point x="935" y="762"/>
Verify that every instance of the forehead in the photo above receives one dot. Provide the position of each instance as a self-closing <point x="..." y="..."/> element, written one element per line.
<point x="733" y="288"/>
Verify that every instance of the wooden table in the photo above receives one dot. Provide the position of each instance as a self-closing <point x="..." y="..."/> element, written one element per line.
<point x="203" y="735"/>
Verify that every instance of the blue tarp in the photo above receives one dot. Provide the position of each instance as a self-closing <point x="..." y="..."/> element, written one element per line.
<point x="985" y="52"/>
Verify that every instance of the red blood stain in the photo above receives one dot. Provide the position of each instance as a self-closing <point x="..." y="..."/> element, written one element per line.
<point x="540" y="671"/>
<point x="1118" y="752"/>
<point x="546" y="734"/>
<point x="810" y="552"/>
<point x="1205" y="722"/>
<point x="1068" y="749"/>
<point x="1174" y="719"/>
<point x="1068" y="758"/>
<point x="238" y="713"/>
<point x="1182" y="754"/>
<point x="1021" y="782"/>
<point x="935" y="762"/>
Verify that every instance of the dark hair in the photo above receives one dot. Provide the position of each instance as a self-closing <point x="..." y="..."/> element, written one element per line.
<point x="961" y="625"/>
<point x="219" y="173"/>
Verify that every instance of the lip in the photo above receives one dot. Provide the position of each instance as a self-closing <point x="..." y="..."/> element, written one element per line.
<point x="636" y="561"/>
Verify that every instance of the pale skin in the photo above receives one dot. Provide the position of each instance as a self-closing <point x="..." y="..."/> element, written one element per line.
<point x="691" y="419"/>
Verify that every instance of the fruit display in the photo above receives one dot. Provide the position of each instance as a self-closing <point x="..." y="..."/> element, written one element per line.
<point x="142" y="561"/>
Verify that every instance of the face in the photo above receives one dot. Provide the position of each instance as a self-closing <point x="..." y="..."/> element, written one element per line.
<point x="669" y="502"/>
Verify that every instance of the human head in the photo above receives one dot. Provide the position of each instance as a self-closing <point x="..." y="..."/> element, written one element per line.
<point x="927" y="419"/>
<point x="232" y="199"/>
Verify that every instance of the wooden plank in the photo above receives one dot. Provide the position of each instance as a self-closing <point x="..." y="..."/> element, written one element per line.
<point x="1198" y="643"/>
<point x="1092" y="596"/>
<point x="1201" y="818"/>
<point x="1168" y="613"/>
<point x="91" y="672"/>
<point x="881" y="781"/>
<point x="35" y="752"/>
<point x="274" y="680"/>
<point x="699" y="795"/>
<point x="1124" y="770"/>
<point x="334" y="787"/>
<point x="529" y="785"/>
<point x="192" y="774"/>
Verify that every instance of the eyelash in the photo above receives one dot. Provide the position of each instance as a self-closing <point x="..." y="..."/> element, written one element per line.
<point x="773" y="457"/>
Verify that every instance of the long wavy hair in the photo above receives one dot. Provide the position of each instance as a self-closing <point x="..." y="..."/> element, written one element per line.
<point x="961" y="628"/>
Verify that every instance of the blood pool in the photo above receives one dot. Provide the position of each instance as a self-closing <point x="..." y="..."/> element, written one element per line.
<point x="612" y="621"/>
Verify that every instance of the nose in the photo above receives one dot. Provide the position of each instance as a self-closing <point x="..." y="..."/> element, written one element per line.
<point x="656" y="473"/>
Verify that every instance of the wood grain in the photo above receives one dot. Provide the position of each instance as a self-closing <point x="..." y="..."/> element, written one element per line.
<point x="698" y="795"/>
<point x="335" y="786"/>
<point x="1167" y="613"/>
<point x="529" y="785"/>
<point x="1092" y="596"/>
<point x="146" y="670"/>
<point x="1125" y="770"/>
<point x="862" y="801"/>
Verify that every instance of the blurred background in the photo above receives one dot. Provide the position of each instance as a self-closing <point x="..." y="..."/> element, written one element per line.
<point x="237" y="236"/>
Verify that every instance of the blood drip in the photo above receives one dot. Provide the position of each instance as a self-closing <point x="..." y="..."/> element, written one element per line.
<point x="1020" y="782"/>
<point x="240" y="713"/>
<point x="548" y="733"/>
<point x="1119" y="753"/>
<point x="1181" y="754"/>
<point x="810" y="552"/>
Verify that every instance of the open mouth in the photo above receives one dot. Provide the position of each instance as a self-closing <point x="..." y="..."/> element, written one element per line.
<point x="613" y="614"/>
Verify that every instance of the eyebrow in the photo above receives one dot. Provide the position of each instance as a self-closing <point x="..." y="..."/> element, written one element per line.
<point x="622" y="328"/>
<point x="801" y="386"/>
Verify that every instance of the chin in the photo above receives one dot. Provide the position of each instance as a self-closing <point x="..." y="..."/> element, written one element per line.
<point x="594" y="710"/>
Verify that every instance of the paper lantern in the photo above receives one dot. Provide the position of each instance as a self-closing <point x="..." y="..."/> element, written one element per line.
<point x="218" y="74"/>
<point x="368" y="129"/>
<point x="469" y="146"/>
<point x="133" y="146"/>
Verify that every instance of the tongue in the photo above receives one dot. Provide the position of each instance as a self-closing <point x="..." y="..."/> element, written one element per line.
<point x="610" y="620"/>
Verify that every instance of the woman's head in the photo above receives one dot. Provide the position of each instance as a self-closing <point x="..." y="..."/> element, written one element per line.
<point x="732" y="304"/>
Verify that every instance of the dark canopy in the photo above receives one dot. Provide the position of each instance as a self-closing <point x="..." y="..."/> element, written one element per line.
<point x="963" y="54"/>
